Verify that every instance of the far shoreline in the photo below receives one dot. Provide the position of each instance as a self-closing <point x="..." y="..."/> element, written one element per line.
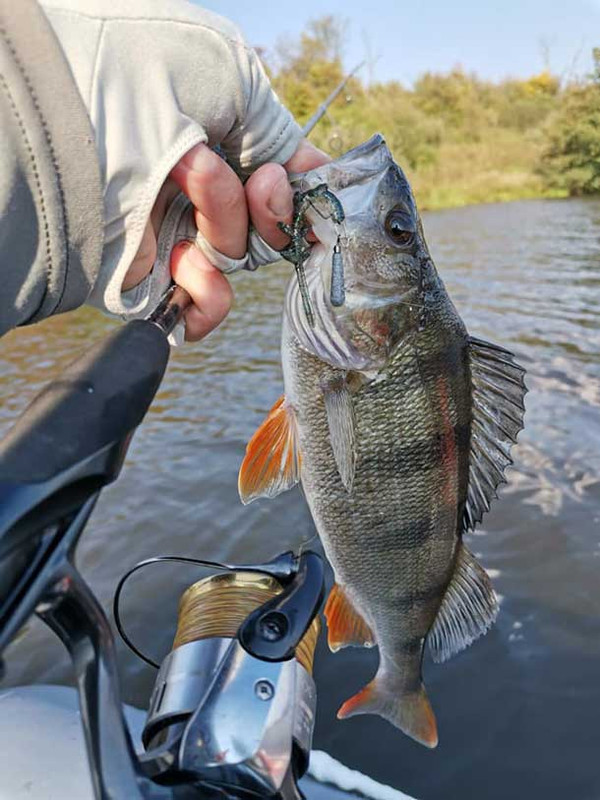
<point x="552" y="195"/>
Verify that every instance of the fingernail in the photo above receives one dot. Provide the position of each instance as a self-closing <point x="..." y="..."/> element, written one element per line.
<point x="280" y="201"/>
<point x="187" y="252"/>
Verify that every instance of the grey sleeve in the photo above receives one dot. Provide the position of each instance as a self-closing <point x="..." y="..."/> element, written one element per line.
<point x="51" y="203"/>
<point x="158" y="77"/>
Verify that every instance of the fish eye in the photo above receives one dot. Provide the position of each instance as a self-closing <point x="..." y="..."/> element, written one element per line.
<point x="396" y="228"/>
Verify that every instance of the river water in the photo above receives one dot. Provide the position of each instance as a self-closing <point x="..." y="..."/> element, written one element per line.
<point x="518" y="711"/>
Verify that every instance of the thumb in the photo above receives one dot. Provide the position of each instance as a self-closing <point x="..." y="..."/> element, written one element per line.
<point x="209" y="289"/>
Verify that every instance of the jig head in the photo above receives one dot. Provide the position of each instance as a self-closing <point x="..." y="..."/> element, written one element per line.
<point x="337" y="294"/>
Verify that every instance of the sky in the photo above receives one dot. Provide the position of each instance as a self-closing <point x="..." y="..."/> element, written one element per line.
<point x="516" y="38"/>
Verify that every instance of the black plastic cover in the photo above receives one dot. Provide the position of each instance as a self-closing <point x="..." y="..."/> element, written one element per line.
<point x="273" y="631"/>
<point x="100" y="398"/>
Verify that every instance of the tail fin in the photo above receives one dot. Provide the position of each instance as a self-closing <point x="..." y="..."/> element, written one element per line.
<point x="411" y="712"/>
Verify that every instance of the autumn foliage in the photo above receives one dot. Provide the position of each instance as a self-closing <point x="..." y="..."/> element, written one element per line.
<point x="461" y="139"/>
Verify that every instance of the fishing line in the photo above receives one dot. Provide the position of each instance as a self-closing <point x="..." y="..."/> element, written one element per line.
<point x="146" y="563"/>
<point x="306" y="542"/>
<point x="216" y="606"/>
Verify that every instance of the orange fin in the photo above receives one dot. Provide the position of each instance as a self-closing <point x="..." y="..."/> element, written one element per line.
<point x="345" y="626"/>
<point x="272" y="461"/>
<point x="411" y="712"/>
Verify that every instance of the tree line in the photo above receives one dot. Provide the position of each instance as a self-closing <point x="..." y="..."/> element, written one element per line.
<point x="459" y="138"/>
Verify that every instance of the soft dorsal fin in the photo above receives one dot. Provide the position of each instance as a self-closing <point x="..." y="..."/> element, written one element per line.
<point x="469" y="608"/>
<point x="340" y="419"/>
<point x="272" y="461"/>
<point x="498" y="409"/>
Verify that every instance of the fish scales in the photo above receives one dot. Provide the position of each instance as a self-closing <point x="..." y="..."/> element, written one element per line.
<point x="399" y="427"/>
<point x="397" y="508"/>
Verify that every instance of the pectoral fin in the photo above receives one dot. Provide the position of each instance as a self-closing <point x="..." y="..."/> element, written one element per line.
<point x="272" y="461"/>
<point x="340" y="419"/>
<point x="345" y="626"/>
<point x="469" y="608"/>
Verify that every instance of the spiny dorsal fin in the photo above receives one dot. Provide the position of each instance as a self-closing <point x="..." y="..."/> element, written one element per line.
<point x="272" y="461"/>
<point x="469" y="608"/>
<point x="345" y="626"/>
<point x="340" y="419"/>
<point x="498" y="392"/>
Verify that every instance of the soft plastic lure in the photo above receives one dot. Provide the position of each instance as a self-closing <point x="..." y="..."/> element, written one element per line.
<point x="299" y="248"/>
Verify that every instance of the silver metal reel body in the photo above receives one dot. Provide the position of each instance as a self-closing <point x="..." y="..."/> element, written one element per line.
<point x="246" y="720"/>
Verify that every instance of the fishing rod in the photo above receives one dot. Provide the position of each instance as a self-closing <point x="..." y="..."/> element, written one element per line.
<point x="232" y="712"/>
<point x="322" y="110"/>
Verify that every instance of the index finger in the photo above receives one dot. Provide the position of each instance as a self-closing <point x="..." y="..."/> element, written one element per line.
<point x="218" y="197"/>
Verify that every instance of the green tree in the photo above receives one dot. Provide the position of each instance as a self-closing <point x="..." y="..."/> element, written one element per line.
<point x="571" y="159"/>
<point x="309" y="69"/>
<point x="461" y="139"/>
<point x="525" y="104"/>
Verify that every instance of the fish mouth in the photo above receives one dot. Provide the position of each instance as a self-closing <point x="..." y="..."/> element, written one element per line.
<point x="333" y="172"/>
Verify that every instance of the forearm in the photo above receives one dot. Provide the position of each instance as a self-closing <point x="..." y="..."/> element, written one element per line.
<point x="99" y="100"/>
<point x="51" y="222"/>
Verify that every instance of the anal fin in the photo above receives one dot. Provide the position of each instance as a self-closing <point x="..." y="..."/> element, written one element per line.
<point x="272" y="461"/>
<point x="469" y="608"/>
<point x="345" y="626"/>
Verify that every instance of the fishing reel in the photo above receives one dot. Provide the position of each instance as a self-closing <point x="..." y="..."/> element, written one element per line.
<point x="233" y="705"/>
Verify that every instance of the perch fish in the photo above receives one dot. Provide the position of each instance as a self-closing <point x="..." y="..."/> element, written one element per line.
<point x="398" y="425"/>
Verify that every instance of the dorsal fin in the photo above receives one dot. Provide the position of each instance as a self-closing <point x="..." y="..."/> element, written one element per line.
<point x="272" y="461"/>
<point x="498" y="409"/>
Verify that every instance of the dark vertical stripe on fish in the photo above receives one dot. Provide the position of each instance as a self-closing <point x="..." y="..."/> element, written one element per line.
<point x="420" y="455"/>
<point x="389" y="541"/>
<point x="448" y="450"/>
<point x="408" y="600"/>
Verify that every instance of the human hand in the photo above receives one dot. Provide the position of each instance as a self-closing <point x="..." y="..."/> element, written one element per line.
<point x="164" y="83"/>
<point x="223" y="208"/>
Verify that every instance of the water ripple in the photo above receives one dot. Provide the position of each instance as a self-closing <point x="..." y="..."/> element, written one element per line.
<point x="525" y="275"/>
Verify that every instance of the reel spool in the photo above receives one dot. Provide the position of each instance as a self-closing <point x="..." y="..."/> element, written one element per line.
<point x="215" y="607"/>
